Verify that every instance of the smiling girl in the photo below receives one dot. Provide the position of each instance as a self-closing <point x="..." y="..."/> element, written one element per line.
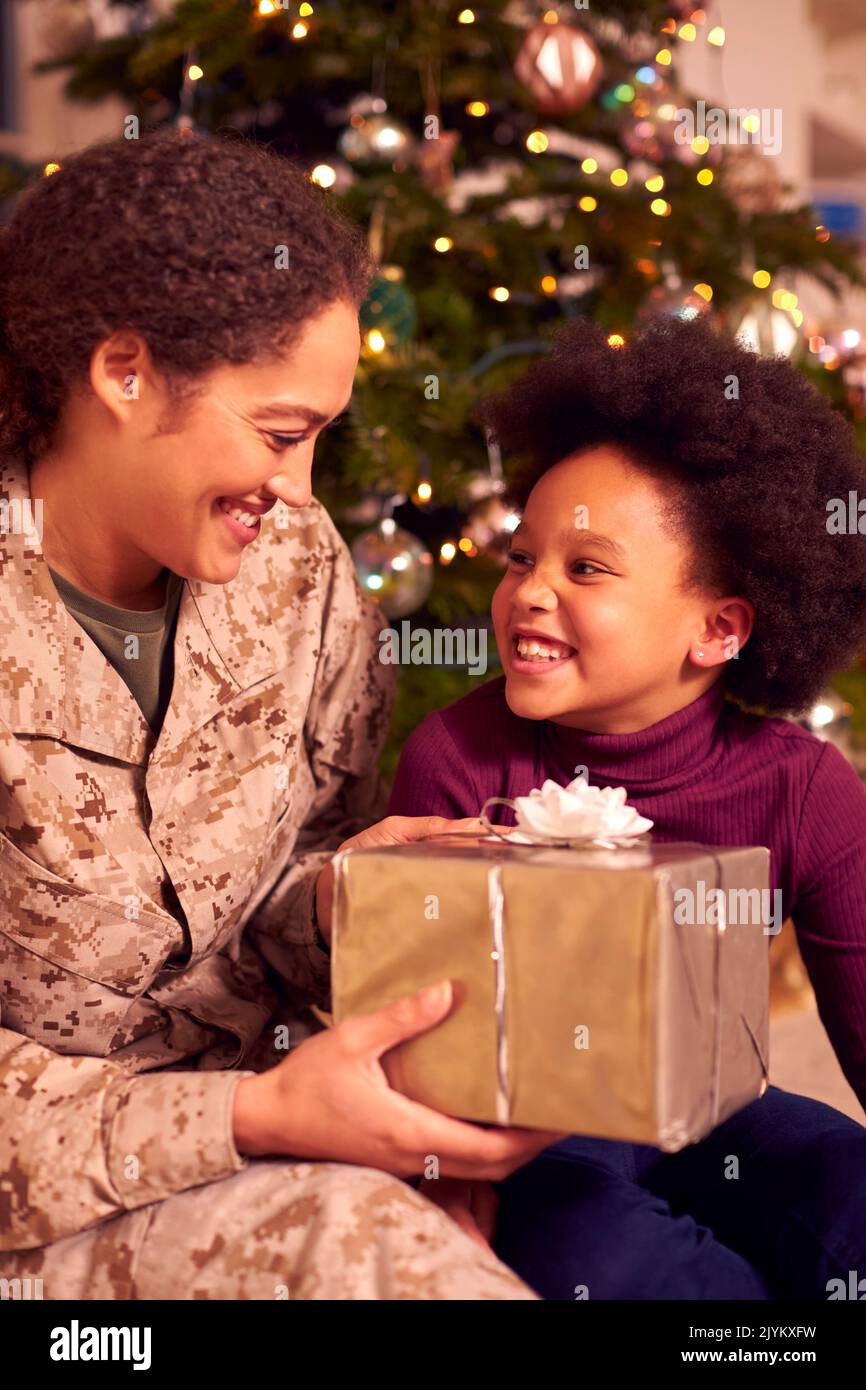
<point x="672" y="589"/>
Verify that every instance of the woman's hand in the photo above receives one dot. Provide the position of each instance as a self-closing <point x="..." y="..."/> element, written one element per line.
<point x="393" y="830"/>
<point x="330" y="1099"/>
<point x="472" y="1204"/>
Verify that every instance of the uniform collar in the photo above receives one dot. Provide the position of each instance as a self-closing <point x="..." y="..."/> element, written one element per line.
<point x="54" y="680"/>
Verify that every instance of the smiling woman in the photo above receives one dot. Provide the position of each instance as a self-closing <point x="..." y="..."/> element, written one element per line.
<point x="191" y="711"/>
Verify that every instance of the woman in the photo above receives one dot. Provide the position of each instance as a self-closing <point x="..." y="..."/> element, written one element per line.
<point x="191" y="710"/>
<point x="675" y="548"/>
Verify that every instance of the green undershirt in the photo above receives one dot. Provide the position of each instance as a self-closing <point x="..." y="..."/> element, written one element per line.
<point x="140" y="646"/>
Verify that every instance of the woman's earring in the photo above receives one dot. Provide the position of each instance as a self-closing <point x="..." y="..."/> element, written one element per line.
<point x="700" y="653"/>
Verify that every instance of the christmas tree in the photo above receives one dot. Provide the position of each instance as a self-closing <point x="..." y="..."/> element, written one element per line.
<point x="514" y="165"/>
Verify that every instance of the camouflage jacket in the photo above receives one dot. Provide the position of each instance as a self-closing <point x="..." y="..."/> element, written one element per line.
<point x="155" y="893"/>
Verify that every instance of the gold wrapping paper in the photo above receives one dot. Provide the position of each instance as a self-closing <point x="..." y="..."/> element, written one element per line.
<point x="580" y="1004"/>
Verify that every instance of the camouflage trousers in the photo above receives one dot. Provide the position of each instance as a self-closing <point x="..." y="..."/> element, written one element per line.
<point x="276" y="1230"/>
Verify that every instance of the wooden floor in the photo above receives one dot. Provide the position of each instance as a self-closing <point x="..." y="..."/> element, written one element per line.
<point x="801" y="1056"/>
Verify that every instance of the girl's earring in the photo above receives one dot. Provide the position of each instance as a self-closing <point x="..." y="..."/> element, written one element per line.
<point x="700" y="653"/>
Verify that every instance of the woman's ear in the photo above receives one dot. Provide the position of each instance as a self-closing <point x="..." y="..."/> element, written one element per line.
<point x="727" y="630"/>
<point x="120" y="369"/>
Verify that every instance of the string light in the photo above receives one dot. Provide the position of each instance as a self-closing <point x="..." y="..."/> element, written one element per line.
<point x="716" y="36"/>
<point x="700" y="144"/>
<point x="466" y="17"/>
<point x="466" y="546"/>
<point x="616" y="340"/>
<point x="267" y="7"/>
<point x="646" y="75"/>
<point x="587" y="203"/>
<point x="589" y="165"/>
<point x="645" y="266"/>
<point x="548" y="284"/>
<point x="797" y="316"/>
<point x="655" y="184"/>
<point x="816" y="343"/>
<point x="688" y="33"/>
<point x="424" y="492"/>
<point x="300" y="31"/>
<point x="550" y="17"/>
<point x="660" y="207"/>
<point x="751" y="124"/>
<point x="194" y="72"/>
<point x="477" y="108"/>
<point x="705" y="291"/>
<point x="447" y="551"/>
<point x="375" y="340"/>
<point x="821" y="234"/>
<point x="624" y="92"/>
<point x="619" y="177"/>
<point x="500" y="293"/>
<point x="305" y="10"/>
<point x="537" y="142"/>
<point x="663" y="56"/>
<point x="705" y="177"/>
<point x="850" y="338"/>
<point x="324" y="175"/>
<point x="50" y="169"/>
<point x="761" y="279"/>
<point x="443" y="244"/>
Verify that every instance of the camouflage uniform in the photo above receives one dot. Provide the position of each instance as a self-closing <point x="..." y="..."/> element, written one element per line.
<point x="155" y="935"/>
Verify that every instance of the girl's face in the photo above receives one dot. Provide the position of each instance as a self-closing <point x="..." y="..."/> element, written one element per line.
<point x="592" y="626"/>
<point x="155" y="477"/>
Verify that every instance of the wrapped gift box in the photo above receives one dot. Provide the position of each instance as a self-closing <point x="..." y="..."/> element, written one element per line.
<point x="620" y="993"/>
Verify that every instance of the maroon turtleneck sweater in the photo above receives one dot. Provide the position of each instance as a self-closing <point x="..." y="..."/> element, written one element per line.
<point x="708" y="773"/>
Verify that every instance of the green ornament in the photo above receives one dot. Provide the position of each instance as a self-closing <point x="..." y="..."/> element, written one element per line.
<point x="390" y="307"/>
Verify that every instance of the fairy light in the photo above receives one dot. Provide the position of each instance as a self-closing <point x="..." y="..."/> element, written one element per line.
<point x="821" y="233"/>
<point x="705" y="291"/>
<point x="850" y="338"/>
<point x="511" y="521"/>
<point x="466" y="545"/>
<point x="797" y="316"/>
<point x="645" y="266"/>
<point x="669" y="27"/>
<point x="663" y="56"/>
<point x="619" y="178"/>
<point x="655" y="184"/>
<point x="624" y="92"/>
<point x="550" y="17"/>
<point x="51" y="169"/>
<point x="447" y="551"/>
<point x="761" y="279"/>
<point x="660" y="207"/>
<point x="548" y="284"/>
<point x="500" y="293"/>
<point x="424" y="492"/>
<point x="751" y="123"/>
<point x="700" y="144"/>
<point x="587" y="203"/>
<point x="300" y="31"/>
<point x="616" y="340"/>
<point x="466" y="17"/>
<point x="477" y="108"/>
<point x="194" y="72"/>
<point x="716" y="36"/>
<point x="375" y="340"/>
<point x="688" y="33"/>
<point x="537" y="142"/>
<point x="443" y="244"/>
<point x="816" y="343"/>
<point x="324" y="175"/>
<point x="646" y="75"/>
<point x="305" y="10"/>
<point x="667" y="111"/>
<point x="589" y="165"/>
<point x="705" y="177"/>
<point x="267" y="7"/>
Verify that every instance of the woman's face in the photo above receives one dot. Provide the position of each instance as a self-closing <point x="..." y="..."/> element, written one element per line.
<point x="167" y="472"/>
<point x="594" y="575"/>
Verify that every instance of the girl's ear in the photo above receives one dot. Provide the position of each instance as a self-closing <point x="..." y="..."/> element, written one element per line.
<point x="727" y="630"/>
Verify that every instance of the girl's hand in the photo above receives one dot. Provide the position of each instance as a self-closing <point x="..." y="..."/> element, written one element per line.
<point x="393" y="830"/>
<point x="469" y="1202"/>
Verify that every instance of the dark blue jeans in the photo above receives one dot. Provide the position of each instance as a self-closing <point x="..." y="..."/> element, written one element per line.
<point x="593" y="1218"/>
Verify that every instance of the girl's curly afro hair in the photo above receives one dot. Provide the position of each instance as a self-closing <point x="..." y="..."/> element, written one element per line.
<point x="752" y="456"/>
<point x="215" y="250"/>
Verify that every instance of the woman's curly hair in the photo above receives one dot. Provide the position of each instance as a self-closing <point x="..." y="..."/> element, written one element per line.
<point x="179" y="237"/>
<point x="751" y="455"/>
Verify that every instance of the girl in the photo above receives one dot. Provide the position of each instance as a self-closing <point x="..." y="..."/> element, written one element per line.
<point x="191" y="709"/>
<point x="674" y="565"/>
